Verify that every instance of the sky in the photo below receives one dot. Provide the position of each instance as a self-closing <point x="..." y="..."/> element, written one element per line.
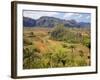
<point x="79" y="17"/>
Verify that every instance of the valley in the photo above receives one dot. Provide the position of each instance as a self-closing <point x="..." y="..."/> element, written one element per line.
<point x="56" y="47"/>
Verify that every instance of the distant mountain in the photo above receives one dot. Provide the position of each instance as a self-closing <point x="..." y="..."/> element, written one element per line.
<point x="46" y="21"/>
<point x="28" y="22"/>
<point x="83" y="24"/>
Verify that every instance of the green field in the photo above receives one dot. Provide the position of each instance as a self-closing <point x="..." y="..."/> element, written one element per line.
<point x="56" y="47"/>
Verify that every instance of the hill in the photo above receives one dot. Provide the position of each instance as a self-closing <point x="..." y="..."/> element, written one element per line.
<point x="50" y="22"/>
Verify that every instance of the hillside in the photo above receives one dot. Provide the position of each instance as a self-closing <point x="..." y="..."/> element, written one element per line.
<point x="50" y="22"/>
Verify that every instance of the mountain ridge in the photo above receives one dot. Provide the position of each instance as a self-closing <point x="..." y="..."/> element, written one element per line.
<point x="46" y="21"/>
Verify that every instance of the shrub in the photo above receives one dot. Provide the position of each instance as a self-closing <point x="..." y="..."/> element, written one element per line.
<point x="82" y="62"/>
<point x="81" y="53"/>
<point x="27" y="42"/>
<point x="58" y="32"/>
<point x="31" y="34"/>
<point x="86" y="42"/>
<point x="62" y="34"/>
<point x="64" y="45"/>
<point x="29" y="57"/>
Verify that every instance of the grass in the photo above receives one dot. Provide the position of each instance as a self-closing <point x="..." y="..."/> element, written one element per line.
<point x="45" y="52"/>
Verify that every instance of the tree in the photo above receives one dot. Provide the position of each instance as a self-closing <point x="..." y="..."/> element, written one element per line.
<point x="58" y="32"/>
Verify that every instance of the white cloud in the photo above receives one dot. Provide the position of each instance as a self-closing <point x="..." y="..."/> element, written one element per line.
<point x="80" y="17"/>
<point x="70" y="15"/>
<point x="87" y="17"/>
<point x="38" y="14"/>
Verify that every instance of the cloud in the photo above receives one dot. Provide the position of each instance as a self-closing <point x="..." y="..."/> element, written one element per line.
<point x="38" y="14"/>
<point x="68" y="15"/>
<point x="72" y="15"/>
<point x="88" y="17"/>
<point x="79" y="17"/>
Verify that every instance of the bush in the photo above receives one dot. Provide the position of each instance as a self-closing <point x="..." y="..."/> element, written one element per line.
<point x="62" y="34"/>
<point x="31" y="34"/>
<point x="81" y="53"/>
<point x="86" y="42"/>
<point x="27" y="42"/>
<point x="81" y="62"/>
<point x="29" y="57"/>
<point x="64" y="45"/>
<point x="58" y="32"/>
